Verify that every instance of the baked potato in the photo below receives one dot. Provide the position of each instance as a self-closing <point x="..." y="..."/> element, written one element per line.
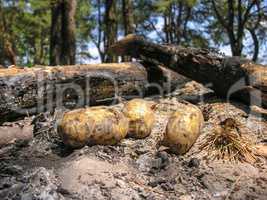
<point x="141" y="117"/>
<point x="183" y="129"/>
<point x="94" y="125"/>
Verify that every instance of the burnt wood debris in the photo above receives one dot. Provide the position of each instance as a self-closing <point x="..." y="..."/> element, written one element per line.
<point x="229" y="77"/>
<point x="26" y="91"/>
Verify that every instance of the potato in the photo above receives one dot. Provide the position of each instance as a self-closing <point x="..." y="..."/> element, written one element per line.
<point x="141" y="117"/>
<point x="183" y="128"/>
<point x="95" y="125"/>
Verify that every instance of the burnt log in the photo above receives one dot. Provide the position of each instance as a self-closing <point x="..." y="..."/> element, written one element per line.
<point x="34" y="90"/>
<point x="27" y="91"/>
<point x="162" y="80"/>
<point x="229" y="77"/>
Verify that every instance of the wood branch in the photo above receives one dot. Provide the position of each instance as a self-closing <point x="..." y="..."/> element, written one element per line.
<point x="227" y="76"/>
<point x="231" y="14"/>
<point x="256" y="43"/>
<point x="26" y="91"/>
<point x="247" y="12"/>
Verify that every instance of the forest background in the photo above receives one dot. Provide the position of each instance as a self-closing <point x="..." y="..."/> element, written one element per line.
<point x="64" y="32"/>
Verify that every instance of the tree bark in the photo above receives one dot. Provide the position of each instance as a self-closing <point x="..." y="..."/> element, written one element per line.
<point x="34" y="90"/>
<point x="256" y="44"/>
<point x="229" y="77"/>
<point x="7" y="46"/>
<point x="55" y="33"/>
<point x="68" y="28"/>
<point x="128" y="21"/>
<point x="62" y="35"/>
<point x="9" y="52"/>
<point x="110" y="29"/>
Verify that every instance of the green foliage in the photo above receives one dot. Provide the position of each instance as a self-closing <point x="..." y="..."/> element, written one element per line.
<point x="163" y="5"/>
<point x="84" y="24"/>
<point x="29" y="24"/>
<point x="26" y="25"/>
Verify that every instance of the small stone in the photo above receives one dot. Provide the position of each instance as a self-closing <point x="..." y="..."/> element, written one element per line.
<point x="157" y="163"/>
<point x="26" y="196"/>
<point x="157" y="182"/>
<point x="161" y="162"/>
<point x="163" y="155"/>
<point x="194" y="162"/>
<point x="167" y="186"/>
<point x="185" y="197"/>
<point x="120" y="184"/>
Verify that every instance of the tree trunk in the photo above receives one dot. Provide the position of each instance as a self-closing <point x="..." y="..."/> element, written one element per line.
<point x="110" y="29"/>
<point x="128" y="21"/>
<point x="68" y="49"/>
<point x="227" y="76"/>
<point x="34" y="90"/>
<point x="55" y="33"/>
<point x="62" y="38"/>
<point x="256" y="44"/>
<point x="7" y="51"/>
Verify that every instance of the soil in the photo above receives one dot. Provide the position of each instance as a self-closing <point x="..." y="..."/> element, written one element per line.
<point x="41" y="167"/>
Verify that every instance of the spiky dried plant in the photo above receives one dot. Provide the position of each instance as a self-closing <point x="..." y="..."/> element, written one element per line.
<point x="228" y="143"/>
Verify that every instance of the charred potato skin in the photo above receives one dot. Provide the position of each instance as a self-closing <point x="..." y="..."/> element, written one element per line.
<point x="183" y="129"/>
<point x="91" y="126"/>
<point x="141" y="118"/>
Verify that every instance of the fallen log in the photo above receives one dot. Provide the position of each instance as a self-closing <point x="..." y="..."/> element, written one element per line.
<point x="229" y="77"/>
<point x="26" y="91"/>
<point x="161" y="79"/>
<point x="34" y="90"/>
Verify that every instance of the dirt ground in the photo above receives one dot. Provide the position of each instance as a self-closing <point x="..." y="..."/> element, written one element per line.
<point x="44" y="168"/>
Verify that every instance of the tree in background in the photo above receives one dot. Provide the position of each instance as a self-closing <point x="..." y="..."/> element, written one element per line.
<point x="63" y="41"/>
<point x="68" y="29"/>
<point x="231" y="20"/>
<point x="97" y="32"/>
<point x="26" y="32"/>
<point x="111" y="29"/>
<point x="181" y="21"/>
<point x="176" y="15"/>
<point x="55" y="34"/>
<point x="128" y="21"/>
<point x="128" y="16"/>
<point x="84" y="26"/>
<point x="7" y="49"/>
<point x="62" y="32"/>
<point x="23" y="32"/>
<point x="110" y="17"/>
